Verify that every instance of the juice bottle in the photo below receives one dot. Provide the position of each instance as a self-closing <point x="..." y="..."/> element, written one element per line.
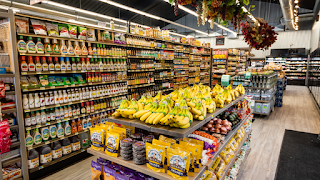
<point x="74" y="128"/>
<point x="66" y="146"/>
<point x="45" y="154"/>
<point x="84" y="140"/>
<point x="75" y="143"/>
<point x="56" y="150"/>
<point x="33" y="159"/>
<point x="47" y="46"/>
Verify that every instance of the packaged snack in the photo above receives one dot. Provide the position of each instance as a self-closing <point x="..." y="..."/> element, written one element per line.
<point x="220" y="168"/>
<point x="72" y="31"/>
<point x="165" y="145"/>
<point x="33" y="81"/>
<point x="39" y="27"/>
<point x="168" y="140"/>
<point x="22" y="24"/>
<point x="43" y="80"/>
<point x="120" y="177"/>
<point x="139" y="146"/>
<point x="65" y="80"/>
<point x="126" y="148"/>
<point x="215" y="163"/>
<point x="91" y="35"/>
<point x="197" y="153"/>
<point x="191" y="151"/>
<point x="63" y="30"/>
<point x="178" y="163"/>
<point x="105" y="36"/>
<point x="148" y="138"/>
<point x="97" y="138"/>
<point x="82" y="33"/>
<point x="52" y="81"/>
<point x="95" y="170"/>
<point x="206" y="175"/>
<point x="112" y="144"/>
<point x="194" y="141"/>
<point x="79" y="78"/>
<point x="24" y="82"/>
<point x="53" y="29"/>
<point x="127" y="142"/>
<point x="59" y="81"/>
<point x="121" y="131"/>
<point x="108" y="173"/>
<point x="155" y="157"/>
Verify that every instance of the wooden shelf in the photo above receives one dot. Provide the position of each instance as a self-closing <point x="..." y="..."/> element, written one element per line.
<point x="141" y="168"/>
<point x="69" y="72"/>
<point x="11" y="160"/>
<point x="9" y="110"/>
<point x="140" y="70"/>
<point x="57" y="160"/>
<point x="142" y="85"/>
<point x="171" y="131"/>
<point x="6" y="75"/>
<point x="147" y="57"/>
<point x="10" y="92"/>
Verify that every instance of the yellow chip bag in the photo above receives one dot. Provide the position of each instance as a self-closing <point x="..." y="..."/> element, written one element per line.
<point x="155" y="157"/>
<point x="166" y="139"/>
<point x="112" y="144"/>
<point x="97" y="138"/>
<point x="165" y="145"/>
<point x="178" y="163"/>
<point x="197" y="156"/>
<point x="122" y="131"/>
<point x="191" y="151"/>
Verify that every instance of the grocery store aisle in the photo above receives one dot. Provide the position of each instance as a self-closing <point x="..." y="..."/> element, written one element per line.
<point x="298" y="113"/>
<point x="78" y="171"/>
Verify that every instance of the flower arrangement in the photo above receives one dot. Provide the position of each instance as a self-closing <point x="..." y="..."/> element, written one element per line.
<point x="259" y="35"/>
<point x="223" y="11"/>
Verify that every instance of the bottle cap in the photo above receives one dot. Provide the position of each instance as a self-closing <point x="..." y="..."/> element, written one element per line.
<point x="29" y="38"/>
<point x="37" y="58"/>
<point x="67" y="59"/>
<point x="23" y="58"/>
<point x="56" y="59"/>
<point x="61" y="58"/>
<point x="43" y="58"/>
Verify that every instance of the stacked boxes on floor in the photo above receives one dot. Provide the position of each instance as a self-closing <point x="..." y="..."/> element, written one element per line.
<point x="279" y="93"/>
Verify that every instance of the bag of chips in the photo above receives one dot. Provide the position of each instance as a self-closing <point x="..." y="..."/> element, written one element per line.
<point x="112" y="144"/>
<point x="91" y="34"/>
<point x="198" y="153"/>
<point x="178" y="163"/>
<point x="168" y="140"/>
<point x="165" y="145"/>
<point x="108" y="174"/>
<point x="53" y="29"/>
<point x="72" y="31"/>
<point x="95" y="170"/>
<point x="63" y="30"/>
<point x="191" y="151"/>
<point x="155" y="157"/>
<point x="97" y="138"/>
<point x="82" y="31"/>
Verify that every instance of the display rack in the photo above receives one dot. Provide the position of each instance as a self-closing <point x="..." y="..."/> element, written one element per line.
<point x="162" y="72"/>
<point x="296" y="70"/>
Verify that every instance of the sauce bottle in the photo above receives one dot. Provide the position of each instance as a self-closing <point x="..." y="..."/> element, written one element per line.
<point x="67" y="128"/>
<point x="45" y="133"/>
<point x="75" y="143"/>
<point x="31" y="65"/>
<point x="64" y="49"/>
<point x="79" y="65"/>
<point x="73" y="64"/>
<point x="68" y="64"/>
<point x="80" y="125"/>
<point x="90" y="52"/>
<point x="43" y="116"/>
<point x="93" y="67"/>
<point x="77" y="49"/>
<point x="51" y="65"/>
<point x="74" y="126"/>
<point x="53" y="131"/>
<point x="23" y="64"/>
<point x="27" y="119"/>
<point x="47" y="46"/>
<point x="63" y="65"/>
<point x="98" y="50"/>
<point x="84" y="50"/>
<point x="37" y="137"/>
<point x="94" y="49"/>
<point x="29" y="139"/>
<point x="38" y="64"/>
<point x="88" y="64"/>
<point x="57" y="66"/>
<point x="38" y="117"/>
<point x="60" y="131"/>
<point x="33" y="159"/>
<point x="22" y="46"/>
<point x="84" y="123"/>
<point x="66" y="146"/>
<point x="39" y="46"/>
<point x="45" y="154"/>
<point x="83" y="64"/>
<point x="45" y="66"/>
<point x="89" y="121"/>
<point x="104" y="50"/>
<point x="70" y="48"/>
<point x="31" y="46"/>
<point x="55" y="47"/>
<point x="56" y="150"/>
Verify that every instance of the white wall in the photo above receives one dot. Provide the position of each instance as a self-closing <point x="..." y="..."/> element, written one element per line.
<point x="285" y="40"/>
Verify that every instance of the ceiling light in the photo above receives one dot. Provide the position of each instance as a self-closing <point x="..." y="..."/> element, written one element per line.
<point x="296" y="1"/>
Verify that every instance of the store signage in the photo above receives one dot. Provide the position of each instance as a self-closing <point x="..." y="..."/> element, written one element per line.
<point x="220" y="41"/>
<point x="32" y="2"/>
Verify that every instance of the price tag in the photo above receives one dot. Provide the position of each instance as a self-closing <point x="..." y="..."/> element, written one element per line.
<point x="76" y="133"/>
<point x="75" y="117"/>
<point x="76" y="55"/>
<point x="70" y="103"/>
<point x="38" y="126"/>
<point x="66" y="85"/>
<point x="82" y="150"/>
<point x="62" y="138"/>
<point x="28" y="128"/>
<point x="23" y="73"/>
<point x="63" y="71"/>
<point x="90" y="83"/>
<point x="47" y="54"/>
<point x="42" y="88"/>
<point x="22" y="53"/>
<point x="25" y="90"/>
<point x="99" y="56"/>
<point x="48" y="123"/>
<point x="66" y="119"/>
<point x="47" y="142"/>
<point x="52" y="72"/>
<point x="58" y="121"/>
<point x="30" y="147"/>
<point x="27" y="110"/>
<point x="63" y="55"/>
<point x="58" y="105"/>
<point x="74" y="71"/>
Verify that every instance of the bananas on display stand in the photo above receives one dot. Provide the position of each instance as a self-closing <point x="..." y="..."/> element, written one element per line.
<point x="179" y="108"/>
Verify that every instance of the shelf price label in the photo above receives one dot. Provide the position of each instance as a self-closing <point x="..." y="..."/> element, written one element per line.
<point x="47" y="142"/>
<point x="23" y="73"/>
<point x="41" y="167"/>
<point x="28" y="128"/>
<point x="48" y="123"/>
<point x="42" y="88"/>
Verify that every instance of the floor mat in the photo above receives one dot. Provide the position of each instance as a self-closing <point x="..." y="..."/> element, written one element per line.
<point x="299" y="157"/>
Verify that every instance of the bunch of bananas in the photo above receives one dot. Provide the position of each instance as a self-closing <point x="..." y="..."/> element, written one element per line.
<point x="225" y="96"/>
<point x="125" y="110"/>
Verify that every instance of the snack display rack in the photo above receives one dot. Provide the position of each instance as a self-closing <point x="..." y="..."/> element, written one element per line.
<point x="167" y="63"/>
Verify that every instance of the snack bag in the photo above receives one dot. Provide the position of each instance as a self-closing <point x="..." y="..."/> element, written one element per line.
<point x="121" y="131"/>
<point x="165" y="145"/>
<point x="194" y="141"/>
<point x="63" y="30"/>
<point x="112" y="144"/>
<point x="220" y="168"/>
<point x="108" y="174"/>
<point x="120" y="177"/>
<point x="168" y="140"/>
<point x="215" y="163"/>
<point x="53" y="29"/>
<point x="155" y="157"/>
<point x="197" y="154"/>
<point x="22" y="24"/>
<point x="178" y="163"/>
<point x="72" y="31"/>
<point x="39" y="27"/>
<point x="206" y="175"/>
<point x="82" y="31"/>
<point x="95" y="170"/>
<point x="97" y="138"/>
<point x="191" y="151"/>
<point x="91" y="35"/>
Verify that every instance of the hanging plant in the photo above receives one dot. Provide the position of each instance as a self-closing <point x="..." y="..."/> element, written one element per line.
<point x="259" y="36"/>
<point x="224" y="11"/>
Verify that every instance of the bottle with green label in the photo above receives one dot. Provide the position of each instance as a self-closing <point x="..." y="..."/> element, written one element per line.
<point x="37" y="139"/>
<point x="45" y="133"/>
<point x="22" y="46"/>
<point x="29" y="139"/>
<point x="53" y="131"/>
<point x="31" y="46"/>
<point x="67" y="128"/>
<point x="60" y="131"/>
<point x="39" y="46"/>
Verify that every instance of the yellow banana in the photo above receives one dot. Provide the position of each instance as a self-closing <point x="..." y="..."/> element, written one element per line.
<point x="145" y="116"/>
